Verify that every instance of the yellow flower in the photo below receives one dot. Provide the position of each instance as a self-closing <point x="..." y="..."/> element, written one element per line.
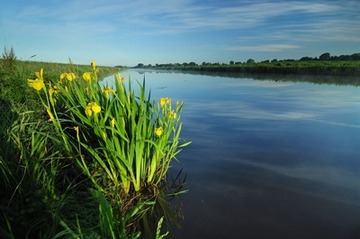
<point x="95" y="108"/>
<point x="171" y="115"/>
<point x="119" y="77"/>
<point x="88" y="110"/>
<point x="63" y="76"/>
<point x="158" y="131"/>
<point x="53" y="90"/>
<point x="93" y="64"/>
<point x="69" y="76"/>
<point x="91" y="108"/>
<point x="107" y="91"/>
<point x="39" y="74"/>
<point x="112" y="122"/>
<point x="37" y="84"/>
<point x="87" y="76"/>
<point x="165" y="101"/>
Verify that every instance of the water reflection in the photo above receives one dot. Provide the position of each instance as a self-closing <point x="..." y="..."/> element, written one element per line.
<point x="268" y="159"/>
<point x="167" y="206"/>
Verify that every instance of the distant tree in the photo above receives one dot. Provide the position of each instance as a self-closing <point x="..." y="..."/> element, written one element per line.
<point x="231" y="62"/>
<point x="250" y="61"/>
<point x="356" y="56"/>
<point x="325" y="56"/>
<point x="274" y="60"/>
<point x="345" y="58"/>
<point x="306" y="58"/>
<point x="192" y="64"/>
<point x="140" y="65"/>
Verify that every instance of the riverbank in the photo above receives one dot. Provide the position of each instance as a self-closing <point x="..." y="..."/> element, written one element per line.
<point x="283" y="67"/>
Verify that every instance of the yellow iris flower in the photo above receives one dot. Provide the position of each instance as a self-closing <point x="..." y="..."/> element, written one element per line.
<point x="119" y="77"/>
<point x="37" y="84"/>
<point x="53" y="90"/>
<point x="171" y="115"/>
<point x="158" y="131"/>
<point x="39" y="74"/>
<point x="87" y="76"/>
<point x="88" y="111"/>
<point x="68" y="76"/>
<point x="107" y="91"/>
<point x="95" y="108"/>
<point x="91" y="108"/>
<point x="165" y="101"/>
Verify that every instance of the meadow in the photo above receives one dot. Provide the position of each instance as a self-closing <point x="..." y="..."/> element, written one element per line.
<point x="83" y="160"/>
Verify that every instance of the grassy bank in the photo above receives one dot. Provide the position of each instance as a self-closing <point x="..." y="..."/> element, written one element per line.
<point x="341" y="68"/>
<point x="13" y="75"/>
<point x="345" y="65"/>
<point x="80" y="160"/>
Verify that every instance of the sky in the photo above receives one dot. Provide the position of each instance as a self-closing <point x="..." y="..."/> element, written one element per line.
<point x="119" y="32"/>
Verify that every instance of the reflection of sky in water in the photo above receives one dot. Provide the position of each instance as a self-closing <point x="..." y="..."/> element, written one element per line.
<point x="268" y="159"/>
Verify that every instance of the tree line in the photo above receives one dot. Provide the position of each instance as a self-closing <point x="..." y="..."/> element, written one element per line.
<point x="323" y="57"/>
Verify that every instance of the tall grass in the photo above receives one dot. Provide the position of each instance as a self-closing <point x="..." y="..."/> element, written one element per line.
<point x="124" y="143"/>
<point x="91" y="163"/>
<point x="32" y="163"/>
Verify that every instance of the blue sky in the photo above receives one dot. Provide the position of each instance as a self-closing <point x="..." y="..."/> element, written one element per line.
<point x="119" y="32"/>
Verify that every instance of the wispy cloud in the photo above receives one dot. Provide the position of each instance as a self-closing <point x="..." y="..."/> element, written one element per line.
<point x="263" y="48"/>
<point x="165" y="16"/>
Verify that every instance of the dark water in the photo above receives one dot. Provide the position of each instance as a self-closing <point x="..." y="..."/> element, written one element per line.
<point x="268" y="159"/>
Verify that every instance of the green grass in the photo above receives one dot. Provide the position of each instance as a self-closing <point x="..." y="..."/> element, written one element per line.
<point x="299" y="67"/>
<point x="78" y="160"/>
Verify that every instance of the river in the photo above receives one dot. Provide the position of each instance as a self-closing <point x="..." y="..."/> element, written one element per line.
<point x="268" y="159"/>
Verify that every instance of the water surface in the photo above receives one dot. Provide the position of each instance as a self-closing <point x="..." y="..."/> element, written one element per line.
<point x="269" y="159"/>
